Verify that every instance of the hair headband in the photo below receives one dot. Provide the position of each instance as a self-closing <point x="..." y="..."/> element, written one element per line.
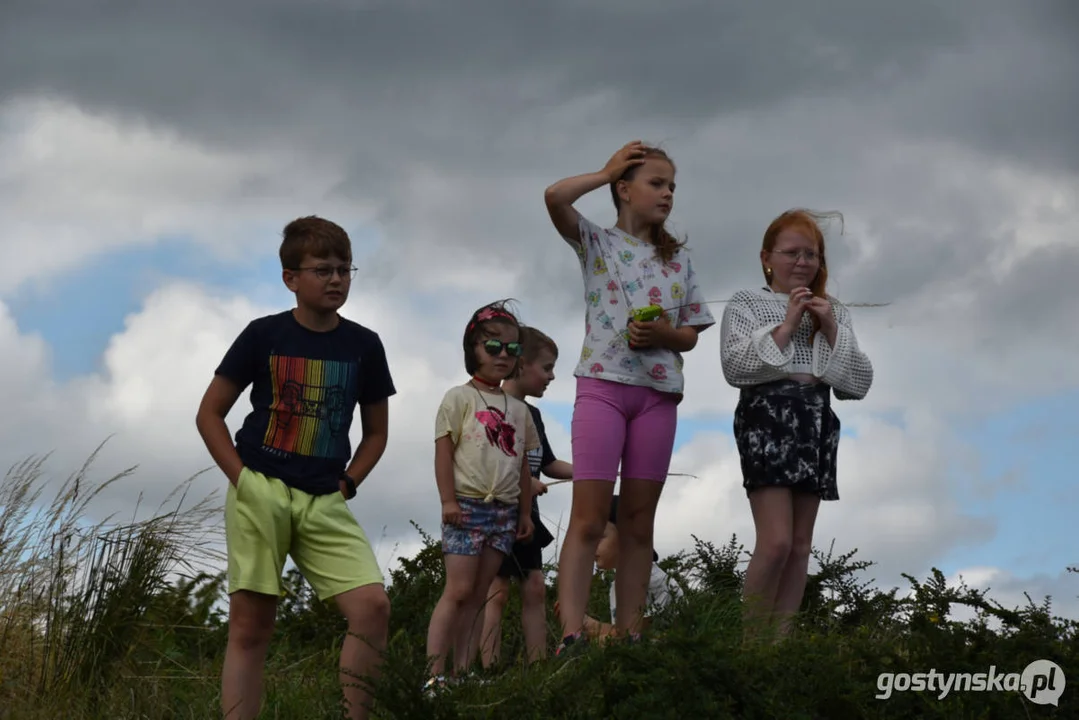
<point x="489" y="313"/>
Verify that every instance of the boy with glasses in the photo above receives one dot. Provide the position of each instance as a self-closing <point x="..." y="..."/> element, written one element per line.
<point x="291" y="469"/>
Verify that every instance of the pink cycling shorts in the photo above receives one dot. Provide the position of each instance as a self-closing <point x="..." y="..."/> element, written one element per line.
<point x="614" y="424"/>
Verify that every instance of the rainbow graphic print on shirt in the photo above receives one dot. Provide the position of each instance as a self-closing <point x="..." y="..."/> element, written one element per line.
<point x="311" y="402"/>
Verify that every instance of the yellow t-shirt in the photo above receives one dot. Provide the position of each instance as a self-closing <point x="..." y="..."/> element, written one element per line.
<point x="491" y="432"/>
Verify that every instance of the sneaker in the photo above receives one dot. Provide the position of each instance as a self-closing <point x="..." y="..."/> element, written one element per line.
<point x="571" y="645"/>
<point x="435" y="685"/>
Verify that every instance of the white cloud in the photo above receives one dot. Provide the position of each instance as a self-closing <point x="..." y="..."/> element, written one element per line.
<point x="81" y="185"/>
<point x="77" y="185"/>
<point x="1012" y="591"/>
<point x="891" y="507"/>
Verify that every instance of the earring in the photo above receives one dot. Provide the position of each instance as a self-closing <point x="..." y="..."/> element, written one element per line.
<point x="768" y="271"/>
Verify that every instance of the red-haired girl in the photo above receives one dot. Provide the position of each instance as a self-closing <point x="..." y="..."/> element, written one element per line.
<point x="788" y="346"/>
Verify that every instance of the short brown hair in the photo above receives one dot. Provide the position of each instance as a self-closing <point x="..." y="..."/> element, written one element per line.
<point x="313" y="236"/>
<point x="533" y="342"/>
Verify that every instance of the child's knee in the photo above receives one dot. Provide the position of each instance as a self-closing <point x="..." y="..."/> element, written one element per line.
<point x="498" y="594"/>
<point x="378" y="609"/>
<point x="639" y="531"/>
<point x="588" y="523"/>
<point x="250" y="631"/>
<point x="533" y="590"/>
<point x="457" y="594"/>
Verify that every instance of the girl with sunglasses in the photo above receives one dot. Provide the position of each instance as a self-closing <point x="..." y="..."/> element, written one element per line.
<point x="629" y="378"/>
<point x="482" y="439"/>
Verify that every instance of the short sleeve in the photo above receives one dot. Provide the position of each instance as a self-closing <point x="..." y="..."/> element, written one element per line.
<point x="588" y="239"/>
<point x="241" y="362"/>
<point x="532" y="441"/>
<point x="451" y="416"/>
<point x="377" y="383"/>
<point x="694" y="313"/>
<point x="548" y="456"/>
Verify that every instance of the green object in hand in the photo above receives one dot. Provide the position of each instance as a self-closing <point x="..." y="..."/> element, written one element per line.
<point x="647" y="314"/>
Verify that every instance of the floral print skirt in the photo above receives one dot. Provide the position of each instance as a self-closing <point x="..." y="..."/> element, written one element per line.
<point x="788" y="436"/>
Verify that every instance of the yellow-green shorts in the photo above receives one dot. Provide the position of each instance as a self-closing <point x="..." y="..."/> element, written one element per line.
<point x="265" y="520"/>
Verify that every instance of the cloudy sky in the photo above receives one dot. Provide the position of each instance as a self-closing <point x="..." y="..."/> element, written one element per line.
<point x="149" y="159"/>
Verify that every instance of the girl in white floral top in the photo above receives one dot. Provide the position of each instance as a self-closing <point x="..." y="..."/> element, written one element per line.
<point x="629" y="377"/>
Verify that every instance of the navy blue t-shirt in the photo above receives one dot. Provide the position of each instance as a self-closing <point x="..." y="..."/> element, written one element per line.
<point x="538" y="459"/>
<point x="305" y="386"/>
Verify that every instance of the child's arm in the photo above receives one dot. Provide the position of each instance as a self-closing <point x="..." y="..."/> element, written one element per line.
<point x="449" y="423"/>
<point x="524" y="503"/>
<point x="660" y="333"/>
<point x="375" y="424"/>
<point x="447" y="490"/>
<point x="374" y="401"/>
<point x="841" y="363"/>
<point x="216" y="403"/>
<point x="561" y="196"/>
<point x="749" y="352"/>
<point x="559" y="470"/>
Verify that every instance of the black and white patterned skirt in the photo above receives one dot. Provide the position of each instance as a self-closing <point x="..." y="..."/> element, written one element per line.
<point x="788" y="436"/>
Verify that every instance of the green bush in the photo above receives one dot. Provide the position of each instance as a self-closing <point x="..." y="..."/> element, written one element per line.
<point x="117" y="621"/>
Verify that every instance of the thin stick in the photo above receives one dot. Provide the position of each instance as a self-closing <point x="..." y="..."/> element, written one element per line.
<point x="845" y="304"/>
<point x="559" y="482"/>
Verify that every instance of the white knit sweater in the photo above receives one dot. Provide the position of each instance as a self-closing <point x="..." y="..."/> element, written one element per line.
<point x="751" y="357"/>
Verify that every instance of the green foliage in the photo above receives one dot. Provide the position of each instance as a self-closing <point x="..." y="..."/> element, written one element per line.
<point x="115" y="621"/>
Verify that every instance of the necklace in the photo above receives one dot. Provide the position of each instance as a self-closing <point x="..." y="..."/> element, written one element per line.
<point x="505" y="400"/>
<point x="481" y="381"/>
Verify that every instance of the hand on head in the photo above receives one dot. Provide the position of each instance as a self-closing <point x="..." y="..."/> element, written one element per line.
<point x="630" y="154"/>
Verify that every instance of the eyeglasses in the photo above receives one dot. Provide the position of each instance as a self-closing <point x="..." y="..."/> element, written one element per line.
<point x="494" y="348"/>
<point x="325" y="272"/>
<point x="793" y="255"/>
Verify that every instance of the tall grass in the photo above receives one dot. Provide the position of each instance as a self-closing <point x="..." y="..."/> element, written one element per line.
<point x="102" y="618"/>
<point x="75" y="592"/>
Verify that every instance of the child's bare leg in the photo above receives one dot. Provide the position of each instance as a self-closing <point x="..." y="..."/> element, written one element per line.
<point x="636" y="522"/>
<point x="491" y="642"/>
<point x="461" y="573"/>
<point x="588" y="518"/>
<point x="470" y="620"/>
<point x="534" y="615"/>
<point x="773" y="511"/>
<point x="792" y="582"/>
<point x="251" y="625"/>
<point x="367" y="610"/>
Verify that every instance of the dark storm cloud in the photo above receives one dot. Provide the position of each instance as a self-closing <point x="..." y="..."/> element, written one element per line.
<point x="397" y="74"/>
<point x="502" y="100"/>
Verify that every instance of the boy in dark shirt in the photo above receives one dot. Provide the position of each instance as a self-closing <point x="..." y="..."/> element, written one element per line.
<point x="291" y="471"/>
<point x="538" y="358"/>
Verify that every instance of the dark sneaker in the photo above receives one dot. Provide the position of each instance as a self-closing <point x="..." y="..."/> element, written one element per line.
<point x="571" y="645"/>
